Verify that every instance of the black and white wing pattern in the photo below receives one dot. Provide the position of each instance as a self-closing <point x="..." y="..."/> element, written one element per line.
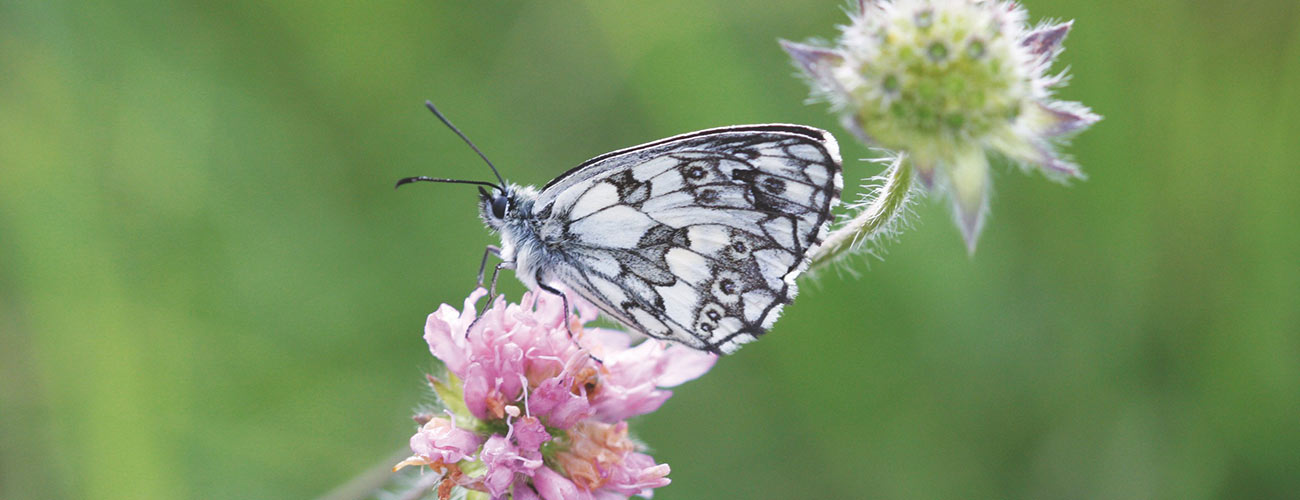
<point x="696" y="238"/>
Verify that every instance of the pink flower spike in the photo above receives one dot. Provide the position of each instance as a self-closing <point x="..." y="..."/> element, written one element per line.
<point x="532" y="390"/>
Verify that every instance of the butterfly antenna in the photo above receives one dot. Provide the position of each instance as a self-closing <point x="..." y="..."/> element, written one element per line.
<point x="409" y="180"/>
<point x="445" y="121"/>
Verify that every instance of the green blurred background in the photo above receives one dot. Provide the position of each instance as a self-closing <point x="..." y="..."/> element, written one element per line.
<point x="209" y="289"/>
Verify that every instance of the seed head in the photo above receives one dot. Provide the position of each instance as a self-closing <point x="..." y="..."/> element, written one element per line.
<point x="949" y="82"/>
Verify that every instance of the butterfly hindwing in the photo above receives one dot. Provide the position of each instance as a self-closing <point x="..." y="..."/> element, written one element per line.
<point x="696" y="238"/>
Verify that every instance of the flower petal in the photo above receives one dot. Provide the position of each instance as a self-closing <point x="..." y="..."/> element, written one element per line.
<point x="969" y="185"/>
<point x="477" y="390"/>
<point x="1045" y="42"/>
<point x="864" y="5"/>
<point x="552" y="486"/>
<point x="503" y="461"/>
<point x="1035" y="153"/>
<point x="1057" y="118"/>
<point x="530" y="433"/>
<point x="632" y="386"/>
<point x="817" y="62"/>
<point x="683" y="364"/>
<point x="445" y="329"/>
<point x="638" y="473"/>
<point x="521" y="490"/>
<point x="924" y="170"/>
<point x="560" y="407"/>
<point x="440" y="440"/>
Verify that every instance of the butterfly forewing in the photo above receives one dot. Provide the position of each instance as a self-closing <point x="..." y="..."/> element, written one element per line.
<point x="696" y="238"/>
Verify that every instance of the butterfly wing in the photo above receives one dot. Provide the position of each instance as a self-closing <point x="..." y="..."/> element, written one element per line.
<point x="696" y="238"/>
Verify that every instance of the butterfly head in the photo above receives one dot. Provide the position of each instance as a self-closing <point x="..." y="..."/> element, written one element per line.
<point x="500" y="206"/>
<point x="494" y="206"/>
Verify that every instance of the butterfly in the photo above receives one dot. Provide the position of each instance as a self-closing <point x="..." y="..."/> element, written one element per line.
<point x="695" y="239"/>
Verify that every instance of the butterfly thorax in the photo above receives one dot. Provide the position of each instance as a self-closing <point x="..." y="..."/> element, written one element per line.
<point x="520" y="243"/>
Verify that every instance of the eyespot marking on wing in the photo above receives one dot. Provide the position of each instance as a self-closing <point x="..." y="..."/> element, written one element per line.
<point x="727" y="287"/>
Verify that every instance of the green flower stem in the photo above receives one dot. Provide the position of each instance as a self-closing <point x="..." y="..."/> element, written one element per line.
<point x="877" y="217"/>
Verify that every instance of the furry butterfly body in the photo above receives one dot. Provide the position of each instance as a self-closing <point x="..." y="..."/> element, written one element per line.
<point x="695" y="239"/>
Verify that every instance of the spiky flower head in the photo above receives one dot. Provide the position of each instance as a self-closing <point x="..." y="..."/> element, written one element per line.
<point x="948" y="82"/>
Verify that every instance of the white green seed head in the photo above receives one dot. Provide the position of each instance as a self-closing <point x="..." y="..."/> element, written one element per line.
<point x="925" y="76"/>
<point x="948" y="82"/>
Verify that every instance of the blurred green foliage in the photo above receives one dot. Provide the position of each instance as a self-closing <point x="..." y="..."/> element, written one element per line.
<point x="209" y="289"/>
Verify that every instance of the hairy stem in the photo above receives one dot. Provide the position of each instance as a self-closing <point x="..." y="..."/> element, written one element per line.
<point x="884" y="207"/>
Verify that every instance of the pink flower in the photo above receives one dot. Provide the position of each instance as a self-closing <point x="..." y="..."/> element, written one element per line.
<point x="548" y="400"/>
<point x="552" y="486"/>
<point x="601" y="456"/>
<point x="636" y="374"/>
<point x="555" y="399"/>
<point x="504" y="459"/>
<point x="439" y="440"/>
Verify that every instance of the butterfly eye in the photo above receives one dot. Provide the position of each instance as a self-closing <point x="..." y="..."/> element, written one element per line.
<point x="499" y="207"/>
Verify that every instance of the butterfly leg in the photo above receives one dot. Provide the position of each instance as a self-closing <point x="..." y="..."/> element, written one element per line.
<point x="492" y="289"/>
<point x="554" y="291"/>
<point x="565" y="300"/>
<point x="482" y="265"/>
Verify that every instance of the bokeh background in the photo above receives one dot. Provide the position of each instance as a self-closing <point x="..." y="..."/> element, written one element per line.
<point x="209" y="288"/>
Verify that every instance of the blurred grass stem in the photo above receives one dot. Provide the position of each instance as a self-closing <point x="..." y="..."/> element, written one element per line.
<point x="365" y="485"/>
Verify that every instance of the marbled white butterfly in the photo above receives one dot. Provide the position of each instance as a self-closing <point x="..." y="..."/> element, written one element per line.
<point x="697" y="238"/>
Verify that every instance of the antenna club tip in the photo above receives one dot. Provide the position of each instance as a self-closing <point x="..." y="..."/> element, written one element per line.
<point x="405" y="180"/>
